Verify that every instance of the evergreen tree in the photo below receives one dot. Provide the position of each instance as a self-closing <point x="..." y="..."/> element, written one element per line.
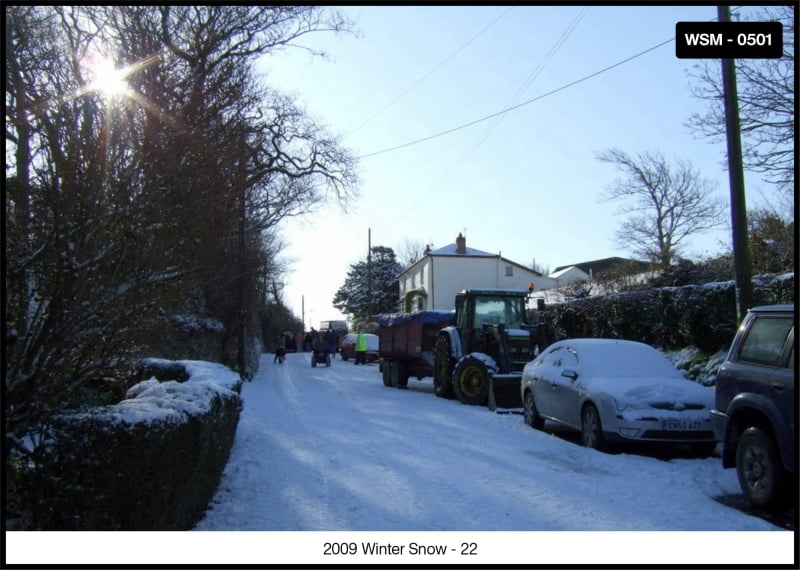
<point x="371" y="286"/>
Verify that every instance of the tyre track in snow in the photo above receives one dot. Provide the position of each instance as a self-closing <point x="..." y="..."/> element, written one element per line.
<point x="290" y="473"/>
<point x="364" y="459"/>
<point x="391" y="442"/>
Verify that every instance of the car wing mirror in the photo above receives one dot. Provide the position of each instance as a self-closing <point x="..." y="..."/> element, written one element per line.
<point x="569" y="373"/>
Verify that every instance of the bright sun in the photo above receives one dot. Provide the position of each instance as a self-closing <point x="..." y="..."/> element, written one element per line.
<point x="105" y="77"/>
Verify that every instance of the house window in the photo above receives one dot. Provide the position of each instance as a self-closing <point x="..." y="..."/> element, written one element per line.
<point x="509" y="271"/>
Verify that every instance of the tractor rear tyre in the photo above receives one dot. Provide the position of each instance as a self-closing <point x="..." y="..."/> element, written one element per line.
<point x="471" y="381"/>
<point x="443" y="369"/>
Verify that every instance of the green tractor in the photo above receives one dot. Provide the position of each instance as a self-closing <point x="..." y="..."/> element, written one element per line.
<point x="479" y="359"/>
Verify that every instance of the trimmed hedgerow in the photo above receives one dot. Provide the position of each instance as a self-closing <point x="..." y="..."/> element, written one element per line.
<point x="703" y="316"/>
<point x="105" y="470"/>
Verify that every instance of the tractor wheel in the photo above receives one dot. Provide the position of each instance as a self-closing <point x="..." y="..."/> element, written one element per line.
<point x="471" y="381"/>
<point x="313" y="361"/>
<point x="443" y="369"/>
<point x="386" y="373"/>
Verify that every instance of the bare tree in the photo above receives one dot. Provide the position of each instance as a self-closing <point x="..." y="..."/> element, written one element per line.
<point x="119" y="210"/>
<point x="664" y="204"/>
<point x="766" y="105"/>
<point x="410" y="251"/>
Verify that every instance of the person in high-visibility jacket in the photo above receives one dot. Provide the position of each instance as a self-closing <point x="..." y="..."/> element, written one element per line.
<point x="361" y="348"/>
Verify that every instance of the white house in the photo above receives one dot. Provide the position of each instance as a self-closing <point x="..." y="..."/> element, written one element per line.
<point x="432" y="282"/>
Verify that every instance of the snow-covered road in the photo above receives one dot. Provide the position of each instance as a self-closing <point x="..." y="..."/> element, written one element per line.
<point x="332" y="449"/>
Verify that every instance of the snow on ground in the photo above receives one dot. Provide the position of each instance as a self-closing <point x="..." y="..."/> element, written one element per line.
<point x="329" y="466"/>
<point x="333" y="449"/>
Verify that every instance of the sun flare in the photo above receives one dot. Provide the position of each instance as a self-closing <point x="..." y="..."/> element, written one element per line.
<point x="105" y="78"/>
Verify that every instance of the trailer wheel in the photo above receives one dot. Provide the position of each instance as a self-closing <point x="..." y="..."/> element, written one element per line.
<point x="443" y="369"/>
<point x="399" y="374"/>
<point x="386" y="373"/>
<point x="471" y="381"/>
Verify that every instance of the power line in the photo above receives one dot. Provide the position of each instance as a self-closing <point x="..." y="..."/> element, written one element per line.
<point x="424" y="77"/>
<point x="529" y="81"/>
<point x="524" y="103"/>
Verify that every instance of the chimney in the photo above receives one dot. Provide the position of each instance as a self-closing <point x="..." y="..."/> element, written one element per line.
<point x="461" y="244"/>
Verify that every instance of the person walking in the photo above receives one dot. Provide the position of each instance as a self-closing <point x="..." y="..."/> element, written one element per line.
<point x="331" y="341"/>
<point x="361" y="347"/>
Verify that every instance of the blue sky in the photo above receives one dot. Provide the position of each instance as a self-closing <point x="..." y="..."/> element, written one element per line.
<point x="525" y="184"/>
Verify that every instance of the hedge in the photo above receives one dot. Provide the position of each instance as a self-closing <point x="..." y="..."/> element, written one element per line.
<point x="703" y="316"/>
<point x="151" y="462"/>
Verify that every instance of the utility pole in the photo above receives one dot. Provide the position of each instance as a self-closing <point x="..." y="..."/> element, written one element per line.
<point x="741" y="255"/>
<point x="369" y="273"/>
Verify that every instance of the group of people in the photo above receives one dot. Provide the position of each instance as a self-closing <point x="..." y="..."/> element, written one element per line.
<point x="322" y="342"/>
<point x="326" y="342"/>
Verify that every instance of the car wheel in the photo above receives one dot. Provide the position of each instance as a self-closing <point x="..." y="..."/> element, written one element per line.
<point x="592" y="429"/>
<point x="758" y="466"/>
<point x="532" y="417"/>
<point x="443" y="369"/>
<point x="471" y="381"/>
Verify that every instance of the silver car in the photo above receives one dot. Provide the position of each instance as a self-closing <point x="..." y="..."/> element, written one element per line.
<point x="614" y="391"/>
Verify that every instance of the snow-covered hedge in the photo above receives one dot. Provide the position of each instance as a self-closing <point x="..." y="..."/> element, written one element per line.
<point x="151" y="462"/>
<point x="703" y="316"/>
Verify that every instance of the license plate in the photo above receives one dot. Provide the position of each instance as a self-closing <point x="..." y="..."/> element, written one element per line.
<point x="682" y="425"/>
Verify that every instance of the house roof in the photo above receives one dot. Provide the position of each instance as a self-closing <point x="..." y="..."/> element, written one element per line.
<point x="600" y="265"/>
<point x="566" y="269"/>
<point x="450" y="249"/>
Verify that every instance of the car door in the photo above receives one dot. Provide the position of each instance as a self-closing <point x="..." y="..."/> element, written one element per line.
<point x="783" y="387"/>
<point x="565" y="394"/>
<point x="544" y="381"/>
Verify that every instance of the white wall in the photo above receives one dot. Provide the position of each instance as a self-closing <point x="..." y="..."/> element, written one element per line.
<point x="444" y="276"/>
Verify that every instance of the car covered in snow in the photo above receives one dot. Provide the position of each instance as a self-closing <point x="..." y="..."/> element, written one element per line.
<point x="347" y="346"/>
<point x="615" y="391"/>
